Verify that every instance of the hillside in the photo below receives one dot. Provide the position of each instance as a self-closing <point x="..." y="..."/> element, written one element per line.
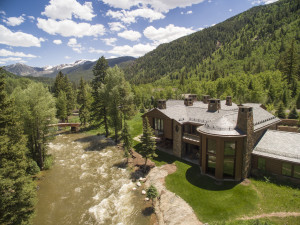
<point x="250" y="42"/>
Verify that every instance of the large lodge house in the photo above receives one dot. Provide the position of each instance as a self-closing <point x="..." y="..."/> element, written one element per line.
<point x="228" y="141"/>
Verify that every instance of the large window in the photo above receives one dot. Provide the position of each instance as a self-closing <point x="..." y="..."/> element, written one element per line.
<point x="296" y="171"/>
<point x="261" y="164"/>
<point x="159" y="124"/>
<point x="229" y="159"/>
<point x="211" y="156"/>
<point x="286" y="169"/>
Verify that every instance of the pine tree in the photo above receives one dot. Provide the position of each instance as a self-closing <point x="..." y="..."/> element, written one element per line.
<point x="61" y="105"/>
<point x="59" y="83"/>
<point x="148" y="142"/>
<point x="298" y="101"/>
<point x="152" y="193"/>
<point x="280" y="111"/>
<point x="69" y="94"/>
<point x="127" y="141"/>
<point x="293" y="114"/>
<point x="84" y="100"/>
<point x="17" y="190"/>
<point x="99" y="106"/>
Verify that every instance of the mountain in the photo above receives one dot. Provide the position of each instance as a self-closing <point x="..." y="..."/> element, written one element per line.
<point x="74" y="70"/>
<point x="250" y="42"/>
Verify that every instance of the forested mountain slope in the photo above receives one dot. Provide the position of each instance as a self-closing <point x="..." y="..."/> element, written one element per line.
<point x="250" y="42"/>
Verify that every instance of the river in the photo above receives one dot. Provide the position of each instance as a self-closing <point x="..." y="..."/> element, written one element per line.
<point x="86" y="185"/>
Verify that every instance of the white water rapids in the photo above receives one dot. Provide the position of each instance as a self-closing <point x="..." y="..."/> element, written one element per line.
<point x="85" y="185"/>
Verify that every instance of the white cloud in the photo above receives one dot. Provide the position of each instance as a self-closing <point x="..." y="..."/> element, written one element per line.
<point x="135" y="51"/>
<point x="5" y="53"/>
<point x="130" y="16"/>
<point x="14" y="21"/>
<point x="230" y="10"/>
<point x="2" y="12"/>
<point x="98" y="51"/>
<point x="263" y="2"/>
<point x="189" y="12"/>
<point x="31" y="18"/>
<point x="10" y="59"/>
<point x="69" y="28"/>
<point x="57" y="42"/>
<point x="58" y="9"/>
<point x="130" y="35"/>
<point x="157" y="5"/>
<point x="109" y="41"/>
<point x="67" y="57"/>
<point x="167" y="34"/>
<point x="19" y="39"/>
<point x="75" y="46"/>
<point x="116" y="26"/>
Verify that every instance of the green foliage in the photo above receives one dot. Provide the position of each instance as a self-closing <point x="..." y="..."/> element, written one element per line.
<point x="246" y="43"/>
<point x="33" y="167"/>
<point x="62" y="83"/>
<point x="127" y="139"/>
<point x="84" y="100"/>
<point x="293" y="114"/>
<point x="152" y="193"/>
<point x="17" y="190"/>
<point x="61" y="105"/>
<point x="100" y="97"/>
<point x="36" y="107"/>
<point x="148" y="141"/>
<point x="280" y="111"/>
<point x="48" y="162"/>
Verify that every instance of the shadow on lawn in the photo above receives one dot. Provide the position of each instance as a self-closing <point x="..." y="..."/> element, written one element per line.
<point x="194" y="176"/>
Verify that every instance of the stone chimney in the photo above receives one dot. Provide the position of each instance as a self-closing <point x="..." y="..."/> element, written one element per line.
<point x="245" y="119"/>
<point x="214" y="105"/>
<point x="245" y="124"/>
<point x="205" y="98"/>
<point x="229" y="101"/>
<point x="194" y="97"/>
<point x="188" y="102"/>
<point x="161" y="104"/>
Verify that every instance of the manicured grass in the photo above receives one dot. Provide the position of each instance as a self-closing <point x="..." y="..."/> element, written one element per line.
<point x="211" y="201"/>
<point x="136" y="125"/>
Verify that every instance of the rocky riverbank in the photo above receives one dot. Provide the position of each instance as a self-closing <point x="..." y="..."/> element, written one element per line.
<point x="170" y="208"/>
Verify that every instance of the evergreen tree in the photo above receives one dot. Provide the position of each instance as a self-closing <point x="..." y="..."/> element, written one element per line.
<point x="17" y="190"/>
<point x="61" y="105"/>
<point x="280" y="111"/>
<point x="69" y="94"/>
<point x="127" y="140"/>
<point x="59" y="83"/>
<point x="298" y="101"/>
<point x="99" y="106"/>
<point x="288" y="64"/>
<point x="148" y="142"/>
<point x="152" y="193"/>
<point x="293" y="114"/>
<point x="84" y="100"/>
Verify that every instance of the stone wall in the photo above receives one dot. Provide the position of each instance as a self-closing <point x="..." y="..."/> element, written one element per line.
<point x="177" y="139"/>
<point x="289" y="122"/>
<point x="288" y="129"/>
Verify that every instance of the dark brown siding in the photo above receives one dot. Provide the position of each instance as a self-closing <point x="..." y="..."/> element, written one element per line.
<point x="168" y="125"/>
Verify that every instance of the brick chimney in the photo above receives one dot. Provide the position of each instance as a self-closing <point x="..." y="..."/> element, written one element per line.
<point x="194" y="97"/>
<point x="214" y="105"/>
<point x="188" y="102"/>
<point x="205" y="98"/>
<point x="161" y="104"/>
<point x="229" y="101"/>
<point x="245" y="124"/>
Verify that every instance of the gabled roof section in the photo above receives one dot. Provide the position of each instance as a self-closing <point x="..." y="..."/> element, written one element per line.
<point x="279" y="145"/>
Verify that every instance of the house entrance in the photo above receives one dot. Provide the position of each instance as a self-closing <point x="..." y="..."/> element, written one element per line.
<point x="192" y="153"/>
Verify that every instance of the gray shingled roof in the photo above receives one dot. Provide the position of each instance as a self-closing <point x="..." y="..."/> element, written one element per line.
<point x="198" y="113"/>
<point x="279" y="145"/>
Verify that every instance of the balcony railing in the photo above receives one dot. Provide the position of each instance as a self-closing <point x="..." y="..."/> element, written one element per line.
<point x="192" y="137"/>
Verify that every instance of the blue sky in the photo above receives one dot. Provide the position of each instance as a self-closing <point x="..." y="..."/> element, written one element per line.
<point x="52" y="32"/>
